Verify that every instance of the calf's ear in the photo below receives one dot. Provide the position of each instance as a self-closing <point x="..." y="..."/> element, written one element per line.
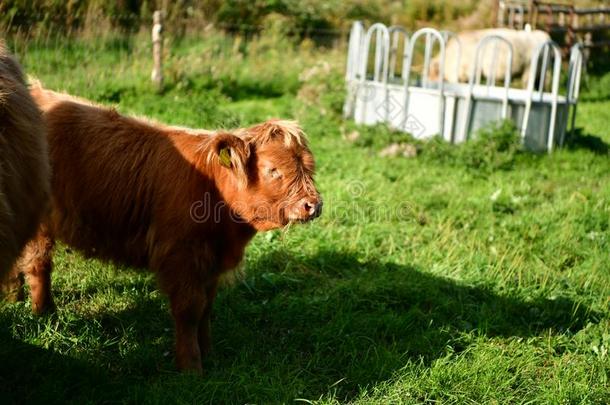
<point x="231" y="152"/>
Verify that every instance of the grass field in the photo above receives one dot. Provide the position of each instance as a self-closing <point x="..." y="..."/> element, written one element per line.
<point x="447" y="277"/>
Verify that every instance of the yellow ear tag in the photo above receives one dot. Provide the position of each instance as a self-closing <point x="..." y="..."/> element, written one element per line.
<point x="225" y="157"/>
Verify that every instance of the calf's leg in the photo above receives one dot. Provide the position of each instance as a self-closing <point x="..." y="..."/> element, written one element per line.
<point x="188" y="306"/>
<point x="204" y="334"/>
<point x="185" y="286"/>
<point x="36" y="264"/>
<point x="11" y="286"/>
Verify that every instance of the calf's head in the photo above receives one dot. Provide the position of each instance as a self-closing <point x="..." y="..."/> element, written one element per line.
<point x="267" y="174"/>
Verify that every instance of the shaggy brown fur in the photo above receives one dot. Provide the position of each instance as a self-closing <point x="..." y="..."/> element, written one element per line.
<point x="183" y="203"/>
<point x="24" y="166"/>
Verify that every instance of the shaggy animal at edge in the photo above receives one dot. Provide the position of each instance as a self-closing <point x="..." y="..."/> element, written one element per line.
<point x="183" y="203"/>
<point x="24" y="166"/>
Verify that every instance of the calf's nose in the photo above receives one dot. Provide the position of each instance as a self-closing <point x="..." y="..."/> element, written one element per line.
<point x="312" y="207"/>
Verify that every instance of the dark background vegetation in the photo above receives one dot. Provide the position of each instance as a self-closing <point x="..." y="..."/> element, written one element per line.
<point x="303" y="17"/>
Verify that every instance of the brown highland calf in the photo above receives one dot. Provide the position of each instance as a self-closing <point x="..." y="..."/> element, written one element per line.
<point x="24" y="165"/>
<point x="183" y="203"/>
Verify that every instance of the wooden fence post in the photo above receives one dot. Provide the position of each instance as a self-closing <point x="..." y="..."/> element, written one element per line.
<point x="157" y="40"/>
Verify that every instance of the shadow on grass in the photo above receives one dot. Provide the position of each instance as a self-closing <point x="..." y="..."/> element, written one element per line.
<point x="579" y="140"/>
<point x="30" y="374"/>
<point x="293" y="328"/>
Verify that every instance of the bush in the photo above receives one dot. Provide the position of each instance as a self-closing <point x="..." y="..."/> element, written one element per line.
<point x="322" y="88"/>
<point x="492" y="148"/>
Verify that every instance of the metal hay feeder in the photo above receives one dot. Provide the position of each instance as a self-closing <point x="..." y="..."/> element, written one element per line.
<point x="426" y="107"/>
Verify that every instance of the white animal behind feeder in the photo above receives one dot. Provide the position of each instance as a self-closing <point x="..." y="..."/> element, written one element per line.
<point x="461" y="51"/>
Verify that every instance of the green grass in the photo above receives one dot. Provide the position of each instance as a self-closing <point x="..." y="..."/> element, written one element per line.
<point x="441" y="278"/>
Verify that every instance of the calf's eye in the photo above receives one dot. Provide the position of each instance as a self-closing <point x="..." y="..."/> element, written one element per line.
<point x="274" y="173"/>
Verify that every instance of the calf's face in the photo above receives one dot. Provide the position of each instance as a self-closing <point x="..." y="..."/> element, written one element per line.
<point x="273" y="171"/>
<point x="281" y="188"/>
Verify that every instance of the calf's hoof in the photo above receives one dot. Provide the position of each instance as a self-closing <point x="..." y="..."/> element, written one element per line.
<point x="41" y="308"/>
